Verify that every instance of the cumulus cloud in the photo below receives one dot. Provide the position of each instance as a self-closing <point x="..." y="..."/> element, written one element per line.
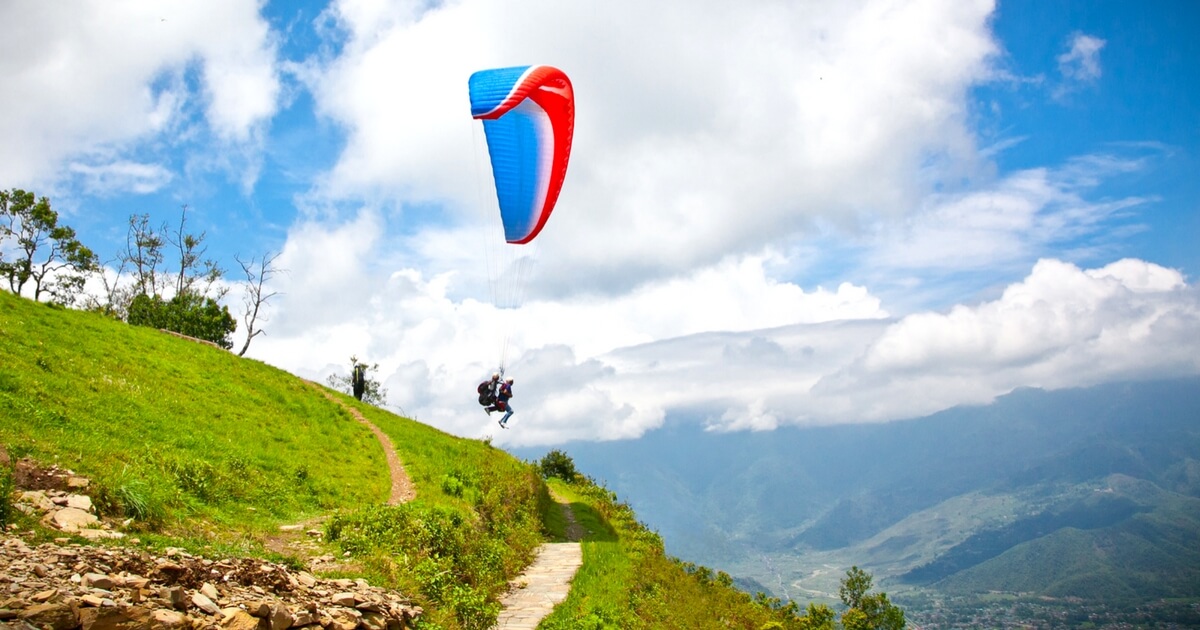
<point x="130" y="63"/>
<point x="433" y="346"/>
<point x="614" y="367"/>
<point x="752" y="121"/>
<point x="1061" y="326"/>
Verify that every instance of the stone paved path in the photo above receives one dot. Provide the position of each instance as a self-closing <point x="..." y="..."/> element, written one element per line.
<point x="543" y="585"/>
<point x="546" y="582"/>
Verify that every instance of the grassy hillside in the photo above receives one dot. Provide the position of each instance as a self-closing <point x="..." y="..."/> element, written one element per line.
<point x="176" y="433"/>
<point x="628" y="582"/>
<point x="188" y="445"/>
<point x="201" y="449"/>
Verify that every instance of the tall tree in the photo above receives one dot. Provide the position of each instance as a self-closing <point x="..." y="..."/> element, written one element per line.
<point x="256" y="296"/>
<point x="46" y="253"/>
<point x="867" y="610"/>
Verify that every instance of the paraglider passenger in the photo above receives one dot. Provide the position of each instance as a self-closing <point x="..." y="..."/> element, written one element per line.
<point x="502" y="396"/>
<point x="487" y="392"/>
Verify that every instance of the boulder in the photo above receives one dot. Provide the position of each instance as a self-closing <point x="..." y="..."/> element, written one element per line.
<point x="71" y="519"/>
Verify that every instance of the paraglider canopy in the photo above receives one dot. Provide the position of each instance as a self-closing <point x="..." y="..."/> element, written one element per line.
<point x="528" y="115"/>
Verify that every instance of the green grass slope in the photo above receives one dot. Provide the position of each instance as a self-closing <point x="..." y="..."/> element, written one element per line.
<point x="628" y="582"/>
<point x="192" y="446"/>
<point x="202" y="449"/>
<point x="172" y="430"/>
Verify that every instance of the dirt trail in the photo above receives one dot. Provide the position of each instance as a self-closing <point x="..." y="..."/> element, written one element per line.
<point x="545" y="583"/>
<point x="575" y="531"/>
<point x="402" y="486"/>
<point x="298" y="539"/>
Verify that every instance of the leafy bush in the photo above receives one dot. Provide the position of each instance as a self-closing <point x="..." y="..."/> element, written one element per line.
<point x="188" y="314"/>
<point x="558" y="464"/>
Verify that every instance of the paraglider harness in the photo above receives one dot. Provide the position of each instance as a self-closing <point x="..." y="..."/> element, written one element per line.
<point x="487" y="392"/>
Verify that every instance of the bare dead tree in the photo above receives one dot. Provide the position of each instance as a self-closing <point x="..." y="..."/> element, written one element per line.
<point x="116" y="298"/>
<point x="193" y="268"/>
<point x="257" y="271"/>
<point x="143" y="254"/>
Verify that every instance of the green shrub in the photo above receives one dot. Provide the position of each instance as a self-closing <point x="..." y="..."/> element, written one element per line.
<point x="188" y="314"/>
<point x="558" y="464"/>
<point x="445" y="551"/>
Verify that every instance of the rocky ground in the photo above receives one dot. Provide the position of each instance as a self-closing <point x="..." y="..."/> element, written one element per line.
<point x="64" y="585"/>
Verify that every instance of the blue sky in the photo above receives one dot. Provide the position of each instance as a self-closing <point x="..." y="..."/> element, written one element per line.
<point x="776" y="213"/>
<point x="1144" y="104"/>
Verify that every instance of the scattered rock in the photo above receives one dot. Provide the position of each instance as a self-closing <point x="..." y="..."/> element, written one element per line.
<point x="129" y="589"/>
<point x="241" y="621"/>
<point x="70" y="586"/>
<point x="97" y="580"/>
<point x="168" y="619"/>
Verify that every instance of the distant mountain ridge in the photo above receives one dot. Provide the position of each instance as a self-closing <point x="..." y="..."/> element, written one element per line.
<point x="1104" y="479"/>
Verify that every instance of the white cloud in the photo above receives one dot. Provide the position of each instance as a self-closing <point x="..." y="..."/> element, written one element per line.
<point x="122" y="176"/>
<point x="610" y="367"/>
<point x="1060" y="327"/>
<point x="750" y="121"/>
<point x="97" y="79"/>
<point x="1081" y="63"/>
<point x="433" y="346"/>
<point x="1023" y="214"/>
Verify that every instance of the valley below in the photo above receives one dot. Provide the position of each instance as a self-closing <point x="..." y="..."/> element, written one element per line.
<point x="1071" y="508"/>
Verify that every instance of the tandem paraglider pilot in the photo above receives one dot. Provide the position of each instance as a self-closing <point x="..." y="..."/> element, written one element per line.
<point x="502" y="397"/>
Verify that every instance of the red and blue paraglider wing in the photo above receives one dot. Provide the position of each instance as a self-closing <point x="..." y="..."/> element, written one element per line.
<point x="528" y="117"/>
